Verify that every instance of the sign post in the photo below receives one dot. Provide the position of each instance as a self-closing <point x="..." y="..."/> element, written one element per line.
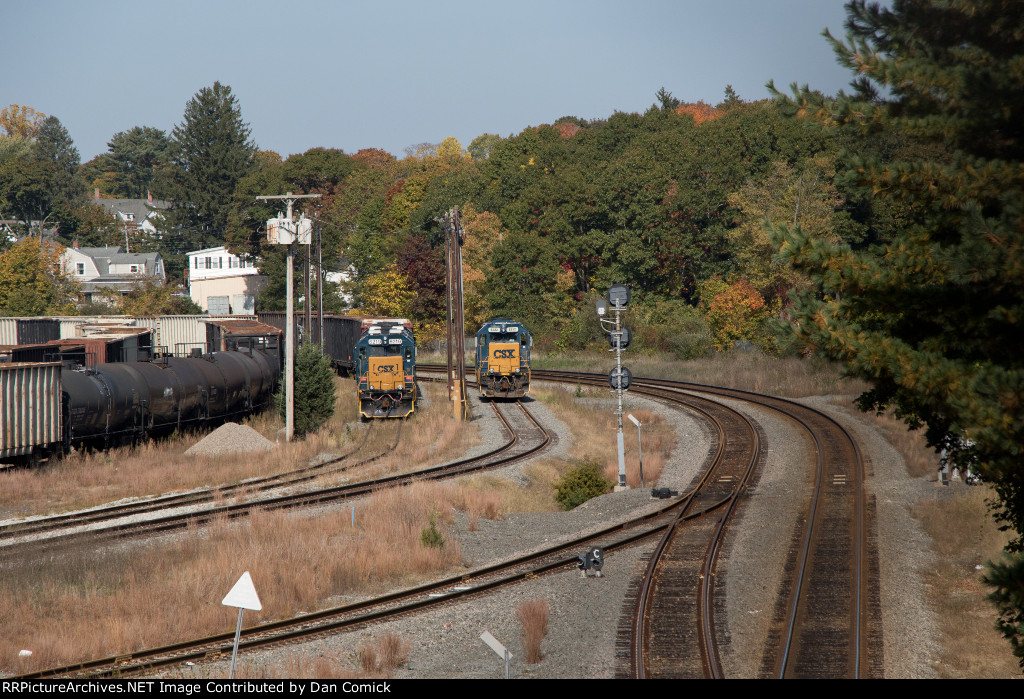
<point x="243" y="595"/>
<point x="499" y="650"/>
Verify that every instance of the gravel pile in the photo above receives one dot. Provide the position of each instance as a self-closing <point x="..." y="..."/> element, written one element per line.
<point x="231" y="438"/>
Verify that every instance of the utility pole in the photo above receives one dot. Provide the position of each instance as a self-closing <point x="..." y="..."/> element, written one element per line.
<point x="453" y="239"/>
<point x="283" y="231"/>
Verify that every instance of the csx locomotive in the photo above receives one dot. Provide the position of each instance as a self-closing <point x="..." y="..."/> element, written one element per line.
<point x="503" y="359"/>
<point x="385" y="362"/>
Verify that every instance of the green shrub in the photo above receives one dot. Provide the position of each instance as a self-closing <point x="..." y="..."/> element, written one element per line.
<point x="430" y="537"/>
<point x="580" y="484"/>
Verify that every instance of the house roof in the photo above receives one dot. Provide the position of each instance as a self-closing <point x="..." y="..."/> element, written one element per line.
<point x="141" y="208"/>
<point x="104" y="257"/>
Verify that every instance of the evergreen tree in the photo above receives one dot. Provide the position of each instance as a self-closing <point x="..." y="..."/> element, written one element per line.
<point x="55" y="147"/>
<point x="134" y="158"/>
<point x="314" y="390"/>
<point x="933" y="318"/>
<point x="210" y="153"/>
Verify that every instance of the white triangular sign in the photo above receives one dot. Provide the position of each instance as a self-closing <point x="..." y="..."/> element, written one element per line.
<point x="243" y="595"/>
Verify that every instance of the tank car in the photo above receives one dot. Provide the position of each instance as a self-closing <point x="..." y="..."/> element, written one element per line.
<point x="385" y="356"/>
<point x="111" y="404"/>
<point x="503" y="359"/>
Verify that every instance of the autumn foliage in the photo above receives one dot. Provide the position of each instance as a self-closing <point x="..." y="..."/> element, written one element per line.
<point x="736" y="312"/>
<point x="700" y="111"/>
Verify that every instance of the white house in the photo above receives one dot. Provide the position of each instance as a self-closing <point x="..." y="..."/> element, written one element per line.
<point x="221" y="283"/>
<point x="109" y="268"/>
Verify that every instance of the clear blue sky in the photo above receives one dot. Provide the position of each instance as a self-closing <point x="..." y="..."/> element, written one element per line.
<point x="394" y="74"/>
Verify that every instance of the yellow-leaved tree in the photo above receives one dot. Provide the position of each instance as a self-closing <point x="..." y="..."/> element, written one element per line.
<point x="387" y="293"/>
<point x="33" y="281"/>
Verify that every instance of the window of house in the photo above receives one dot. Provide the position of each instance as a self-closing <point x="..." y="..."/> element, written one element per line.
<point x="134" y="269"/>
<point x="80" y="268"/>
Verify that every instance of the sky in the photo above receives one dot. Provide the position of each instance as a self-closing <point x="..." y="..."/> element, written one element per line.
<point x="391" y="75"/>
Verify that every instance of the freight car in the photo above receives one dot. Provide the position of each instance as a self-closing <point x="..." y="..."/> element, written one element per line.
<point x="386" y="368"/>
<point x="48" y="408"/>
<point x="340" y="334"/>
<point x="503" y="359"/>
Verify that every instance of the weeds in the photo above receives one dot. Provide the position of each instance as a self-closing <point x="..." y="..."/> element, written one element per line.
<point x="430" y="537"/>
<point x="533" y="615"/>
<point x="383" y="655"/>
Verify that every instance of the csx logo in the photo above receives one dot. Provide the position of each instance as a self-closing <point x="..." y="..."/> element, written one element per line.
<point x="387" y="369"/>
<point x="505" y="354"/>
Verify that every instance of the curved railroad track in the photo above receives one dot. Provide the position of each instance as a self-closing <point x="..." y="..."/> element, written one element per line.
<point x="72" y="533"/>
<point x="680" y="597"/>
<point x="826" y="622"/>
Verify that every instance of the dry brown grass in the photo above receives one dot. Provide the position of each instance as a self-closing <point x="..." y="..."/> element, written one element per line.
<point x="533" y="615"/>
<point x="476" y="501"/>
<point x="382" y="656"/>
<point x="86" y="605"/>
<point x="594" y="426"/>
<point x="751" y="371"/>
<point x="964" y="538"/>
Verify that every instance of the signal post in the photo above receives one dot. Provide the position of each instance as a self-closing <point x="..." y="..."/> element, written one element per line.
<point x="620" y="377"/>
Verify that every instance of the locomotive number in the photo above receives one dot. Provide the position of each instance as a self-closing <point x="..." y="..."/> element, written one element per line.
<point x="394" y="340"/>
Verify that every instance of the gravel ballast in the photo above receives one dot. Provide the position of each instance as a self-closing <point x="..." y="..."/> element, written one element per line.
<point x="585" y="611"/>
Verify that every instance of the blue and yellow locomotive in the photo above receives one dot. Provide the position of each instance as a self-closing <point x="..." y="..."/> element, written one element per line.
<point x="503" y="359"/>
<point x="385" y="362"/>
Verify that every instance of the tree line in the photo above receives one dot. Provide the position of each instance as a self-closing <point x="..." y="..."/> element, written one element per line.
<point x="882" y="227"/>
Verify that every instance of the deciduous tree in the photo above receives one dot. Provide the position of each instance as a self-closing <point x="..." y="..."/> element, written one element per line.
<point x="33" y="281"/>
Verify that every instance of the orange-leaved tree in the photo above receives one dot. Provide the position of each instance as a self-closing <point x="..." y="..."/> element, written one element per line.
<point x="737" y="312"/>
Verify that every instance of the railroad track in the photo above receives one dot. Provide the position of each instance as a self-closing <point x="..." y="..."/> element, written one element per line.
<point x="799" y="620"/>
<point x="63" y="534"/>
<point x="109" y="513"/>
<point x="826" y="622"/>
<point x="485" y="579"/>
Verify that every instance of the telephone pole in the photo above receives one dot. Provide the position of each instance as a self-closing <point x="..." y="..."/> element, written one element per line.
<point x="453" y="238"/>
<point x="283" y="231"/>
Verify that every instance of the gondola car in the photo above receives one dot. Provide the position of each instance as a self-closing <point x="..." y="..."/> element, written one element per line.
<point x="386" y="361"/>
<point x="503" y="359"/>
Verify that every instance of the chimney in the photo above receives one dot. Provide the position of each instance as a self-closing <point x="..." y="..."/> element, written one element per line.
<point x="96" y="193"/>
<point x="149" y="196"/>
<point x="75" y="243"/>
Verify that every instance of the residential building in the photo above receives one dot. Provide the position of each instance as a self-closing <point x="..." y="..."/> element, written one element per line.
<point x="109" y="268"/>
<point x="135" y="214"/>
<point x="221" y="283"/>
